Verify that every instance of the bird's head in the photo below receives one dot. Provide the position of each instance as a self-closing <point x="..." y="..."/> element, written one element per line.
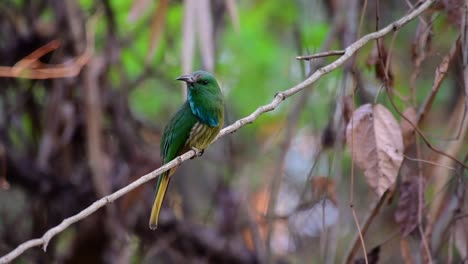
<point x="200" y="82"/>
<point x="204" y="97"/>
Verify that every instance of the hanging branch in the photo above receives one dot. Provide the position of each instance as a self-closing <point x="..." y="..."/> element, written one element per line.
<point x="278" y="99"/>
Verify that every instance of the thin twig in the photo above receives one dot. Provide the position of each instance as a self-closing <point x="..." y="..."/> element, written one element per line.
<point x="361" y="237"/>
<point x="375" y="209"/>
<point x="351" y="198"/>
<point x="439" y="76"/>
<point x="321" y="55"/>
<point x="278" y="99"/>
<point x="361" y="19"/>
<point x="424" y="138"/>
<point x="419" y="55"/>
<point x="29" y="60"/>
<point x="30" y="67"/>
<point x="450" y="245"/>
<point x="425" y="246"/>
<point x="429" y="162"/>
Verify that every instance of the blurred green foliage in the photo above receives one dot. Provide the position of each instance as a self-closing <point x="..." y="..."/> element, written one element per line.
<point x="252" y="63"/>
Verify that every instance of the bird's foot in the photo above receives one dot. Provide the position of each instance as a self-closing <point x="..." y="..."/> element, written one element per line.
<point x="280" y="95"/>
<point x="198" y="153"/>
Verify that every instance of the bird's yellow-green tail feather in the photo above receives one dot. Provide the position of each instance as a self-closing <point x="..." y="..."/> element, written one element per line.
<point x="161" y="187"/>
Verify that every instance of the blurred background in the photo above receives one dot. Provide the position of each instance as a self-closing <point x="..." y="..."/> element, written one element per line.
<point x="87" y="86"/>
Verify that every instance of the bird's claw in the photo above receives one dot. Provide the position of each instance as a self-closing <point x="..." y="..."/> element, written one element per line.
<point x="280" y="94"/>
<point x="198" y="153"/>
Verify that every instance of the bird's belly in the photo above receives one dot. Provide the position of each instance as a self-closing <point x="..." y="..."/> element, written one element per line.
<point x="201" y="136"/>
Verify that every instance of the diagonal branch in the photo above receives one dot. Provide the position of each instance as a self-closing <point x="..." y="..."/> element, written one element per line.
<point x="321" y="55"/>
<point x="278" y="99"/>
<point x="27" y="67"/>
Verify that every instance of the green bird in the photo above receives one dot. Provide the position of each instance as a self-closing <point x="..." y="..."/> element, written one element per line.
<point x="194" y="126"/>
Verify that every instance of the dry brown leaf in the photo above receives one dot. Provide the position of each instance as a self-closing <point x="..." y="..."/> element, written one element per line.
<point x="406" y="214"/>
<point x="324" y="186"/>
<point x="374" y="137"/>
<point x="439" y="76"/>
<point x="454" y="10"/>
<point x="405" y="251"/>
<point x="157" y="27"/>
<point x="379" y="59"/>
<point x="420" y="46"/>
<point x="3" y="181"/>
<point x="4" y="184"/>
<point x="461" y="237"/>
<point x="328" y="136"/>
<point x="460" y="224"/>
<point x="330" y="133"/>
<point x="407" y="130"/>
<point x="348" y="108"/>
<point x="248" y="238"/>
<point x="372" y="257"/>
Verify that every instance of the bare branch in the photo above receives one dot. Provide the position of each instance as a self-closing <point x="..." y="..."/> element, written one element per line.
<point x="374" y="210"/>
<point x="279" y="98"/>
<point x="321" y="55"/>
<point x="25" y="68"/>
<point x="31" y="68"/>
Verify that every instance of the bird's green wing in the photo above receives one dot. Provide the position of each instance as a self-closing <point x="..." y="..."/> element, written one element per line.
<point x="173" y="140"/>
<point x="176" y="133"/>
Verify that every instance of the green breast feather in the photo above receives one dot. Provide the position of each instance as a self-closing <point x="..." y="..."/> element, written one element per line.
<point x="177" y="132"/>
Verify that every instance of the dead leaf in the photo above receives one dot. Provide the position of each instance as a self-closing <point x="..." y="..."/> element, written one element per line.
<point x="4" y="184"/>
<point x="406" y="214"/>
<point x="420" y="47"/>
<point x="372" y="257"/>
<point x="259" y="203"/>
<point x="460" y="228"/>
<point x="374" y="137"/>
<point x="406" y="251"/>
<point x="248" y="238"/>
<point x="461" y="237"/>
<point x="379" y="58"/>
<point x="454" y="10"/>
<point x="348" y="108"/>
<point x="324" y="187"/>
<point x="407" y="130"/>
<point x="328" y="136"/>
<point x="439" y="76"/>
<point x="330" y="133"/>
<point x="157" y="27"/>
<point x="3" y="181"/>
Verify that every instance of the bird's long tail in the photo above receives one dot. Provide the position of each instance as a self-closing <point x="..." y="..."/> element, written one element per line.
<point x="161" y="187"/>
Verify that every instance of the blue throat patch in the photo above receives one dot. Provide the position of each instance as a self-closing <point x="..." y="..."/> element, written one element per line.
<point x="202" y="113"/>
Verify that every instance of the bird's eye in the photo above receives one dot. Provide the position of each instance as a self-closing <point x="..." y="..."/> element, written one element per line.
<point x="204" y="82"/>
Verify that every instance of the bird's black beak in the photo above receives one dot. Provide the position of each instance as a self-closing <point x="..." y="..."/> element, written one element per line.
<point x="186" y="78"/>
